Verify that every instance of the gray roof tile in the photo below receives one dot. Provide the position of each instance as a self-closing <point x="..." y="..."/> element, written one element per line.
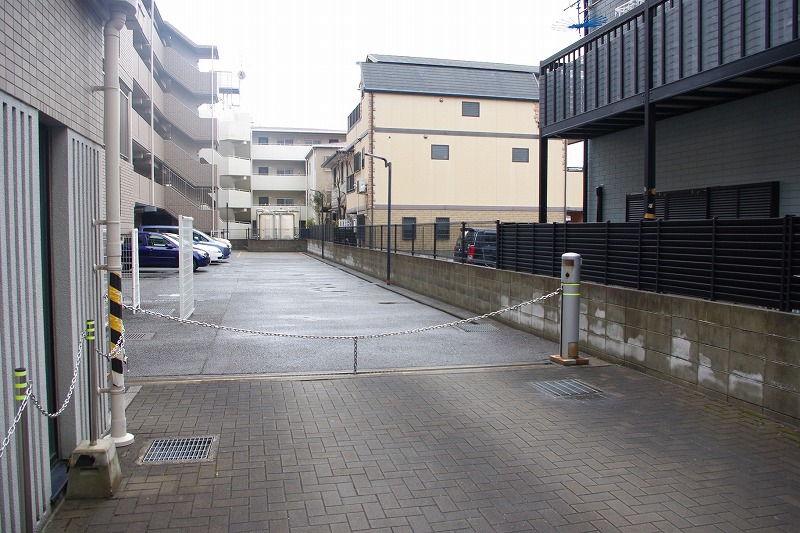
<point x="449" y="77"/>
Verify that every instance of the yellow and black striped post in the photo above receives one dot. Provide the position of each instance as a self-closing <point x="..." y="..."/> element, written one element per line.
<point x="23" y="442"/>
<point x="115" y="327"/>
<point x="119" y="424"/>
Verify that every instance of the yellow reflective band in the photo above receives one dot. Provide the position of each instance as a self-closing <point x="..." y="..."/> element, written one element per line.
<point x="20" y="373"/>
<point x="115" y="323"/>
<point x="571" y="284"/>
<point x="19" y="398"/>
<point x="114" y="295"/>
<point x="20" y="385"/>
<point x="572" y="294"/>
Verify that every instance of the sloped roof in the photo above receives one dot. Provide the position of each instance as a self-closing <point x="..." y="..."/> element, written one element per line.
<point x="414" y="75"/>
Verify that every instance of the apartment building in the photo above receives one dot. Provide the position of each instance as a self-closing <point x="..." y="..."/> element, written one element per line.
<point x="693" y="102"/>
<point x="280" y="179"/>
<point x="462" y="138"/>
<point x="182" y="161"/>
<point x="56" y="141"/>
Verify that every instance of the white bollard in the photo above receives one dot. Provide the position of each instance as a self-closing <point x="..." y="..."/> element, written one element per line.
<point x="570" y="311"/>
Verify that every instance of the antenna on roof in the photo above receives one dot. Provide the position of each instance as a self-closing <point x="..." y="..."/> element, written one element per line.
<point x="583" y="23"/>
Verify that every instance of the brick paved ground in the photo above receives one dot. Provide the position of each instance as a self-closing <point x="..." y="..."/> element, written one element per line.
<point x="482" y="450"/>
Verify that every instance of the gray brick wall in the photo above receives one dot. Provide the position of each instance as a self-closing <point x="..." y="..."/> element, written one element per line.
<point x="52" y="55"/>
<point x="747" y="141"/>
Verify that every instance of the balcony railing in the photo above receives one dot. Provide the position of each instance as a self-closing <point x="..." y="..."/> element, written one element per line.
<point x="671" y="47"/>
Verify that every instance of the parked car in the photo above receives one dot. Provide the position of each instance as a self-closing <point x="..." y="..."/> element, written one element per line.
<point x="198" y="236"/>
<point x="477" y="246"/>
<point x="213" y="252"/>
<point x="156" y="250"/>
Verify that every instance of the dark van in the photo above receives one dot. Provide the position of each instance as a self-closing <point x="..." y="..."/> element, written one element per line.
<point x="477" y="246"/>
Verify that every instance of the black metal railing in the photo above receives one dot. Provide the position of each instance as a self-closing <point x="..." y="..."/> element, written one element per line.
<point x="749" y="261"/>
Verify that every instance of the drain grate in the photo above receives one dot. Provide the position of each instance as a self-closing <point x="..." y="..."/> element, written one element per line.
<point x="566" y="388"/>
<point x="162" y="310"/>
<point x="139" y="336"/>
<point x="179" y="450"/>
<point x="475" y="327"/>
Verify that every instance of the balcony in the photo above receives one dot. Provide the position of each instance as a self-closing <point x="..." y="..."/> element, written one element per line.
<point x="187" y="120"/>
<point x="681" y="56"/>
<point x="233" y="198"/>
<point x="197" y="173"/>
<point x="183" y="71"/>
<point x="237" y="129"/>
<point x="278" y="183"/>
<point x="278" y="152"/>
<point x="227" y="166"/>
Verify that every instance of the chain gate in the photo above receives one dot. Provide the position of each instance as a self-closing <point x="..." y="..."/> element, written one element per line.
<point x="30" y="395"/>
<point x="354" y="338"/>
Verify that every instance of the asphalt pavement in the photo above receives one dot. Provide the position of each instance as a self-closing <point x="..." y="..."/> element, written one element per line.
<point x="445" y="430"/>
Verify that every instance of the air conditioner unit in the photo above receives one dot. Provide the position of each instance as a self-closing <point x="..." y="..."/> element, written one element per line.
<point x="362" y="185"/>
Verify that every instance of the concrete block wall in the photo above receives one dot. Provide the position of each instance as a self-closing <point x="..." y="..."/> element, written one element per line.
<point x="745" y="355"/>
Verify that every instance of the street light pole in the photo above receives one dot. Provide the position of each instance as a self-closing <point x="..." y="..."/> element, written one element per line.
<point x="388" y="165"/>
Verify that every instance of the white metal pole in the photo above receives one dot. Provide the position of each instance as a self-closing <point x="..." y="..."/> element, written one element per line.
<point x="111" y="137"/>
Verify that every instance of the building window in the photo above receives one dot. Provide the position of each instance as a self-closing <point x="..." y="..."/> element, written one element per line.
<point x="351" y="183"/>
<point x="470" y="109"/>
<point x="409" y="228"/>
<point x="354" y="117"/>
<point x="442" y="228"/>
<point x="263" y="200"/>
<point x="331" y="141"/>
<point x="310" y="142"/>
<point x="285" y="171"/>
<point x="285" y="142"/>
<point x="357" y="162"/>
<point x="520" y="155"/>
<point x="285" y="201"/>
<point x="440" y="151"/>
<point x="263" y="171"/>
<point x="263" y="140"/>
<point x="124" y="126"/>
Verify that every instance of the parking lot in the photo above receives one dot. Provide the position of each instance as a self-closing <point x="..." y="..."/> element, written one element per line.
<point x="488" y="441"/>
<point x="295" y="294"/>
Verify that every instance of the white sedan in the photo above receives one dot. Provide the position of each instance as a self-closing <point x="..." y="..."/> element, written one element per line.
<point x="213" y="252"/>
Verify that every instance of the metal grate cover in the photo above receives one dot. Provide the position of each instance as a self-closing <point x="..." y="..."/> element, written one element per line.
<point x="566" y="388"/>
<point x="179" y="450"/>
<point x="474" y="327"/>
<point x="139" y="336"/>
<point x="162" y="310"/>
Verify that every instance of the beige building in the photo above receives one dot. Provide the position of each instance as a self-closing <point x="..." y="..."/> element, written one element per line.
<point x="463" y="140"/>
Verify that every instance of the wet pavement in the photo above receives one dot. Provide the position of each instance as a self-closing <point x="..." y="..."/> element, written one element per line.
<point x="465" y="446"/>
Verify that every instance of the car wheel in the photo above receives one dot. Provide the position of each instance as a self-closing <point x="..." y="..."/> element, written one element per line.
<point x="194" y="264"/>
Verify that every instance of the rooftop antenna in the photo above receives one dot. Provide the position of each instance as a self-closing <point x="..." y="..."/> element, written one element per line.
<point x="583" y="22"/>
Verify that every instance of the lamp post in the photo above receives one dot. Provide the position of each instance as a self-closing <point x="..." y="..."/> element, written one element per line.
<point x="388" y="165"/>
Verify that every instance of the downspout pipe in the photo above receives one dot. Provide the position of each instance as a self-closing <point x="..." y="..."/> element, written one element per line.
<point x="118" y="12"/>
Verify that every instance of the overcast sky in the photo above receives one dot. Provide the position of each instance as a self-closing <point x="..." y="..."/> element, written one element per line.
<point x="299" y="56"/>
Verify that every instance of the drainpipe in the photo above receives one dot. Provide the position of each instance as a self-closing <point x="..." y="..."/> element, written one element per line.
<point x="111" y="138"/>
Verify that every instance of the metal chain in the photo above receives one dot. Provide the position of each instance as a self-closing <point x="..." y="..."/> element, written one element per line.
<point x="69" y="392"/>
<point x="17" y="418"/>
<point x="341" y="337"/>
<point x="355" y="355"/>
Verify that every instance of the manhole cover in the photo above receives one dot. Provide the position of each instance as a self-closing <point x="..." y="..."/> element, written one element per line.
<point x="566" y="388"/>
<point x="139" y="336"/>
<point x="475" y="327"/>
<point x="179" y="450"/>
